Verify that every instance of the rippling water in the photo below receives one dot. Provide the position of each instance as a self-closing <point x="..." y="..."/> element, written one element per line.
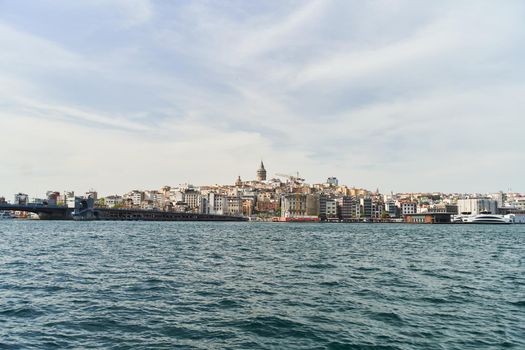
<point x="261" y="286"/>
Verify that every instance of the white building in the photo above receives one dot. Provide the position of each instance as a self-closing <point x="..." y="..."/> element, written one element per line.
<point x="213" y="203"/>
<point x="136" y="197"/>
<point x="331" y="208"/>
<point x="476" y="206"/>
<point x="192" y="199"/>
<point x="408" y="208"/>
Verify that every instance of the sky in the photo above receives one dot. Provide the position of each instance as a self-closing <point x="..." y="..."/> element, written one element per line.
<point x="404" y="96"/>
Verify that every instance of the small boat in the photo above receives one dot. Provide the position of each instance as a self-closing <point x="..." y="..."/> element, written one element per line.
<point x="6" y="215"/>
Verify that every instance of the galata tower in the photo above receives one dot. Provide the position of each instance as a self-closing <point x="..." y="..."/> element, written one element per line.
<point x="261" y="173"/>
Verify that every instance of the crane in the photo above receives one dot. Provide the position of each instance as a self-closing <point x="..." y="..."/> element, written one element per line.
<point x="292" y="178"/>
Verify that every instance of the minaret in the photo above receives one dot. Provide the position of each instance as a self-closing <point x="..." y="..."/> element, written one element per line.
<point x="261" y="173"/>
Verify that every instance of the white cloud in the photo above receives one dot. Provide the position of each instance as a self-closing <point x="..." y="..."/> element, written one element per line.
<point x="269" y="36"/>
<point x="24" y="52"/>
<point x="389" y="94"/>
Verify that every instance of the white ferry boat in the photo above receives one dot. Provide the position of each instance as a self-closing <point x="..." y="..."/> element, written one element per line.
<point x="488" y="219"/>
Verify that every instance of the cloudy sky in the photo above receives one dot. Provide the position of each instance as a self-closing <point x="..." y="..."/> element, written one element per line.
<point x="123" y="94"/>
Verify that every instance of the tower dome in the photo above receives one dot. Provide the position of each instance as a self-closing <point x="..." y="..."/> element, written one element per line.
<point x="261" y="173"/>
<point x="238" y="182"/>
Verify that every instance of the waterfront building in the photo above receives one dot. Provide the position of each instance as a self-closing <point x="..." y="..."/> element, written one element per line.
<point x="184" y="193"/>
<point x="444" y="208"/>
<point x="192" y="199"/>
<point x="366" y="207"/>
<point x="378" y="209"/>
<point x="235" y="206"/>
<point x="408" y="208"/>
<point x="297" y="205"/>
<point x="476" y="206"/>
<point x="266" y="202"/>
<point x="348" y="208"/>
<point x="2" y="200"/>
<point x="391" y="208"/>
<point x="322" y="206"/>
<point x="247" y="206"/>
<point x="327" y="208"/>
<point x="331" y="209"/>
<point x="214" y="203"/>
<point x="428" y="218"/>
<point x="203" y="205"/>
<point x="261" y="173"/>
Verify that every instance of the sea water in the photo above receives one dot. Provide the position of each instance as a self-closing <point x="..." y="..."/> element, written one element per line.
<point x="200" y="285"/>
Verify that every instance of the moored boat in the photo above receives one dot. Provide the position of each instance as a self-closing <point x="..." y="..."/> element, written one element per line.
<point x="6" y="215"/>
<point x="488" y="219"/>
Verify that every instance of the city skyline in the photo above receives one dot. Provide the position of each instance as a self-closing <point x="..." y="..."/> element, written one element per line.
<point x="249" y="182"/>
<point x="271" y="199"/>
<point x="401" y="96"/>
